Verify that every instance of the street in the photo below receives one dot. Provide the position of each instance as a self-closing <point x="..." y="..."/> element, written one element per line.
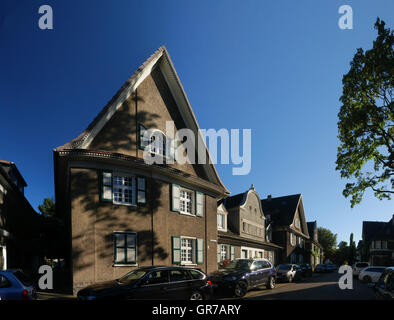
<point x="319" y="287"/>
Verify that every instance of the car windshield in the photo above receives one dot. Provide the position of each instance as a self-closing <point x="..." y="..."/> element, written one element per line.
<point x="241" y="264"/>
<point x="133" y="275"/>
<point x="284" y="267"/>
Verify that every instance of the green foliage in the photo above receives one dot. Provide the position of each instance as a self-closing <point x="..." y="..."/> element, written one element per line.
<point x="328" y="241"/>
<point x="366" y="120"/>
<point x="47" y="208"/>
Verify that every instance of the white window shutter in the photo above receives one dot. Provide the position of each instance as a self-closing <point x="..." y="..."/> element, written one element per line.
<point x="199" y="204"/>
<point x="106" y="186"/>
<point x="176" y="250"/>
<point x="175" y="195"/>
<point x="200" y="251"/>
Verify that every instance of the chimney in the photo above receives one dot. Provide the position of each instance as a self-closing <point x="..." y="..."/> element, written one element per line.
<point x="269" y="196"/>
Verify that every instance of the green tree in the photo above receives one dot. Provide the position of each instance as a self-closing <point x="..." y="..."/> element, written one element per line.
<point x="366" y="120"/>
<point x="328" y="240"/>
<point x="352" y="252"/>
<point x="48" y="208"/>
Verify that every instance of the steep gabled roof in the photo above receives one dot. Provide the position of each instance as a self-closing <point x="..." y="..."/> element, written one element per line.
<point x="161" y="59"/>
<point x="235" y="200"/>
<point x="283" y="209"/>
<point x="377" y="230"/>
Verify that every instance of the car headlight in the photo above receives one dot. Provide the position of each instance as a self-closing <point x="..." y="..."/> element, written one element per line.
<point x="230" y="278"/>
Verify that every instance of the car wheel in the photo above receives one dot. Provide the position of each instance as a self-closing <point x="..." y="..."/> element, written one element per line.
<point x="241" y="288"/>
<point x="367" y="279"/>
<point x="196" y="296"/>
<point x="271" y="283"/>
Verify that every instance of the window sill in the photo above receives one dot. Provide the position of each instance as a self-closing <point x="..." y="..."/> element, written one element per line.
<point x="124" y="204"/>
<point x="188" y="214"/>
<point x="188" y="264"/>
<point x="125" y="265"/>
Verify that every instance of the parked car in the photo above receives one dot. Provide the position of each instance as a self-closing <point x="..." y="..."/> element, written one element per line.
<point x="358" y="266"/>
<point x="240" y="275"/>
<point x="321" y="268"/>
<point x="288" y="272"/>
<point x="306" y="270"/>
<point x="154" y="282"/>
<point x="384" y="287"/>
<point x="331" y="267"/>
<point x="371" y="274"/>
<point x="15" y="285"/>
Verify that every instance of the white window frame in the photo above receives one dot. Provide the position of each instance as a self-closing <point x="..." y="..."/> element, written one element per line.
<point x="131" y="188"/>
<point x="193" y="251"/>
<point x="223" y="218"/>
<point x="184" y="201"/>
<point x="224" y="252"/>
<point x="126" y="247"/>
<point x="292" y="239"/>
<point x="157" y="142"/>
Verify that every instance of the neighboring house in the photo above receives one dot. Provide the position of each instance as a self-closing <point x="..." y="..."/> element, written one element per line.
<point x="242" y="229"/>
<point x="313" y="246"/>
<point x="290" y="231"/>
<point x="378" y="242"/>
<point x="122" y="212"/>
<point x="18" y="222"/>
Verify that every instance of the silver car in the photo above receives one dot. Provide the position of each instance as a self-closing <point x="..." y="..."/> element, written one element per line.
<point x="15" y="285"/>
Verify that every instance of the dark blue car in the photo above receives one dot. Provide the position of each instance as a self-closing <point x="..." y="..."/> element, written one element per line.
<point x="240" y="275"/>
<point x="15" y="285"/>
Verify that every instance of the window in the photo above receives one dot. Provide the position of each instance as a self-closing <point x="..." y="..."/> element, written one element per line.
<point x="292" y="239"/>
<point x="187" y="250"/>
<point x="179" y="275"/>
<point x="4" y="283"/>
<point x="120" y="188"/>
<point x="223" y="252"/>
<point x="197" y="274"/>
<point x="124" y="189"/>
<point x="157" y="143"/>
<point x="378" y="244"/>
<point x="157" y="277"/>
<point x="384" y="244"/>
<point x="221" y="221"/>
<point x="125" y="247"/>
<point x="186" y="201"/>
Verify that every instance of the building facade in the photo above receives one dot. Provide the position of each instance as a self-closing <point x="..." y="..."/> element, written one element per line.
<point x="242" y="229"/>
<point x="378" y="242"/>
<point x="18" y="222"/>
<point x="289" y="229"/>
<point x="313" y="246"/>
<point x="124" y="212"/>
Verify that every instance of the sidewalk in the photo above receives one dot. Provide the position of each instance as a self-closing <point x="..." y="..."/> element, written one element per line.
<point x="54" y="296"/>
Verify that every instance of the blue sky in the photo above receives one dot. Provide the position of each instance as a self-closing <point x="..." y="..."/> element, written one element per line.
<point x="272" y="66"/>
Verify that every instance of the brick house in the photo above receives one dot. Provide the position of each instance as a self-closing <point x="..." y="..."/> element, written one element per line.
<point x="18" y="222"/>
<point x="313" y="246"/>
<point x="289" y="228"/>
<point x="242" y="229"/>
<point x="122" y="212"/>
<point x="378" y="242"/>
